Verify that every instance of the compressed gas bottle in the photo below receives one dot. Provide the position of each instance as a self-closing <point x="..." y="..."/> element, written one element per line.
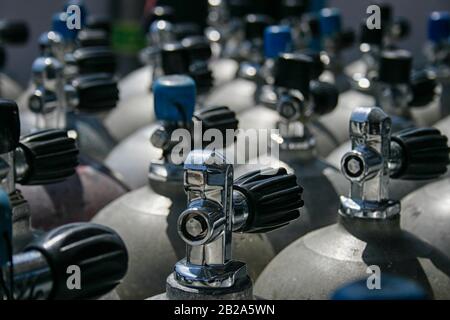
<point x="131" y="158"/>
<point x="389" y="288"/>
<point x="409" y="98"/>
<point x="157" y="205"/>
<point x="297" y="100"/>
<point x="368" y="235"/>
<point x="52" y="158"/>
<point x="209" y="270"/>
<point x="11" y="33"/>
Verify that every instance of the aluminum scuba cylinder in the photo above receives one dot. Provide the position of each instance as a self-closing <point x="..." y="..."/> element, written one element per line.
<point x="11" y="33"/>
<point x="408" y="97"/>
<point x="39" y="272"/>
<point x="368" y="233"/>
<point x="52" y="158"/>
<point x="218" y="206"/>
<point x="149" y="227"/>
<point x="297" y="100"/>
<point x="131" y="158"/>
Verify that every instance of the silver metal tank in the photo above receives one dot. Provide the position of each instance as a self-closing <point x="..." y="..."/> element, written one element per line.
<point x="367" y="240"/>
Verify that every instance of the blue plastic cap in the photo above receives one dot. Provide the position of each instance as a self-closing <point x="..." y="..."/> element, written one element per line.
<point x="59" y="24"/>
<point x="391" y="288"/>
<point x="174" y="98"/>
<point x="5" y="227"/>
<point x="330" y="21"/>
<point x="277" y="40"/>
<point x="439" y="26"/>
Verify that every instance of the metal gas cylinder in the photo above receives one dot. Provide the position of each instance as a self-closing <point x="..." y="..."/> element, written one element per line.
<point x="409" y="98"/>
<point x="40" y="159"/>
<point x="265" y="43"/>
<point x="175" y="101"/>
<point x="157" y="205"/>
<point x="296" y="101"/>
<point x="216" y="208"/>
<point x="12" y="32"/>
<point x="368" y="235"/>
<point x="40" y="271"/>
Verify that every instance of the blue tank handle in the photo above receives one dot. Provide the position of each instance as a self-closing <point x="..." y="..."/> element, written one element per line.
<point x="391" y="288"/>
<point x="439" y="26"/>
<point x="5" y="228"/>
<point x="174" y="98"/>
<point x="277" y="40"/>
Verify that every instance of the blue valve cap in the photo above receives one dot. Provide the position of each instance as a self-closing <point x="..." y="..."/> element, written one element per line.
<point x="330" y="21"/>
<point x="59" y="25"/>
<point x="391" y="288"/>
<point x="174" y="98"/>
<point x="277" y="40"/>
<point x="439" y="26"/>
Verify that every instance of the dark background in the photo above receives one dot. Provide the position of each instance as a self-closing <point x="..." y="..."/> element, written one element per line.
<point x="38" y="14"/>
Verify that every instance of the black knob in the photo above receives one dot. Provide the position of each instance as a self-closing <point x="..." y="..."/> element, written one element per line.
<point x="98" y="251"/>
<point x="274" y="199"/>
<point x="395" y="67"/>
<point x="423" y="87"/>
<point x="198" y="48"/>
<point x="51" y="157"/>
<point x="346" y="39"/>
<point x="325" y="97"/>
<point x="175" y="59"/>
<point x="386" y="13"/>
<point x="255" y="24"/>
<point x="95" y="60"/>
<point x="293" y="71"/>
<point x="93" y="38"/>
<point x="425" y="154"/>
<point x="220" y="118"/>
<point x="2" y="57"/>
<point x="313" y="25"/>
<point x="293" y="8"/>
<point x="13" y="32"/>
<point x="96" y="92"/>
<point x="9" y="126"/>
<point x="102" y="23"/>
<point x="371" y="36"/>
<point x="317" y="66"/>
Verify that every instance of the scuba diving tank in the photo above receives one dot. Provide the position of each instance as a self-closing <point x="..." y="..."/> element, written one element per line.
<point x="297" y="101"/>
<point x="132" y="156"/>
<point x="40" y="271"/>
<point x="368" y="235"/>
<point x="408" y="97"/>
<point x="389" y="287"/>
<point x="149" y="225"/>
<point x="11" y="33"/>
<point x="424" y="212"/>
<point x="254" y="72"/>
<point x="217" y="206"/>
<point x="44" y="162"/>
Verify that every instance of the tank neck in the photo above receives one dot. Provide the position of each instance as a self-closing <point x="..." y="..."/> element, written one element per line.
<point x="368" y="229"/>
